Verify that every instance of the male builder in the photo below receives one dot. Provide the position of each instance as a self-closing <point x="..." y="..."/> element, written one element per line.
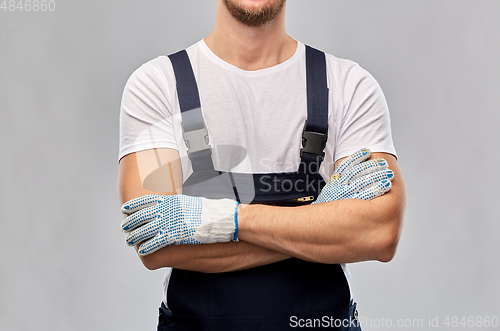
<point x="223" y="148"/>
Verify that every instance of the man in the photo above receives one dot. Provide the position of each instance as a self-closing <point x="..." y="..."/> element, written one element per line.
<point x="247" y="265"/>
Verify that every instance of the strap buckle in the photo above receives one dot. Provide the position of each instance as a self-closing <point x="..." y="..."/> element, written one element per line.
<point x="313" y="142"/>
<point x="196" y="140"/>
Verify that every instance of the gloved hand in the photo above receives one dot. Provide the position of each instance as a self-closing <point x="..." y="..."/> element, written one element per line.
<point x="178" y="219"/>
<point x="356" y="178"/>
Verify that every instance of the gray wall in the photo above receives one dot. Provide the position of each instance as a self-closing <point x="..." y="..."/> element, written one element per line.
<point x="64" y="264"/>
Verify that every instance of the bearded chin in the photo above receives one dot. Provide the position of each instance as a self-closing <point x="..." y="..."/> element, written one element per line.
<point x="255" y="17"/>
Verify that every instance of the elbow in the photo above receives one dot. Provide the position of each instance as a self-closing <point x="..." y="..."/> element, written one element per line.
<point x="387" y="252"/>
<point x="388" y="241"/>
<point x="150" y="261"/>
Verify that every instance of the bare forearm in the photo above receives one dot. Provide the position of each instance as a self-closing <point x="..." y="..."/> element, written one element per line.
<point x="211" y="258"/>
<point x="333" y="232"/>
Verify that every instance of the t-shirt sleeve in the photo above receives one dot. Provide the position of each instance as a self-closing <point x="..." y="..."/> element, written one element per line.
<point x="146" y="113"/>
<point x="364" y="120"/>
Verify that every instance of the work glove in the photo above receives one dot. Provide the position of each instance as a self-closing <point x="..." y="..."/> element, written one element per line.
<point x="164" y="220"/>
<point x="357" y="178"/>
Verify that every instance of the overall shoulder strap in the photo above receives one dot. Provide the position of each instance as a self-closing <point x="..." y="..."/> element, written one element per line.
<point x="315" y="133"/>
<point x="195" y="132"/>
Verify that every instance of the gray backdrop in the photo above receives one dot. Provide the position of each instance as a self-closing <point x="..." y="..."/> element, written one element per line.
<point x="64" y="264"/>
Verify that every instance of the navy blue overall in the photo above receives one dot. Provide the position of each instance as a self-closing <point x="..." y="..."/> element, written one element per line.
<point x="280" y="296"/>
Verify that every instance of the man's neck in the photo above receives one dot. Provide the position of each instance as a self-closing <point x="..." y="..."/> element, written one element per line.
<point x="250" y="48"/>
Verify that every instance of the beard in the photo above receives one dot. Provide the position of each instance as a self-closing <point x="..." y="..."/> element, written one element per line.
<point x="254" y="17"/>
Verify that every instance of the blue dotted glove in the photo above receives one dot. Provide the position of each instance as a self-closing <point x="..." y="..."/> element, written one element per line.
<point x="356" y="178"/>
<point x="162" y="220"/>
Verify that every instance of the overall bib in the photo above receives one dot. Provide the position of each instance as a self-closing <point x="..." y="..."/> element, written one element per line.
<point x="291" y="294"/>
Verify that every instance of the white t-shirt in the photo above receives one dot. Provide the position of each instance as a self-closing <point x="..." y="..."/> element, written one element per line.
<point x="262" y="111"/>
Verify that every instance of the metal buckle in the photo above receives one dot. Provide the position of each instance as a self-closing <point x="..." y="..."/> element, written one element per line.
<point x="196" y="140"/>
<point x="313" y="142"/>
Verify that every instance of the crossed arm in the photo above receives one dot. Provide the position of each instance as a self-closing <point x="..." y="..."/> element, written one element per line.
<point x="332" y="232"/>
